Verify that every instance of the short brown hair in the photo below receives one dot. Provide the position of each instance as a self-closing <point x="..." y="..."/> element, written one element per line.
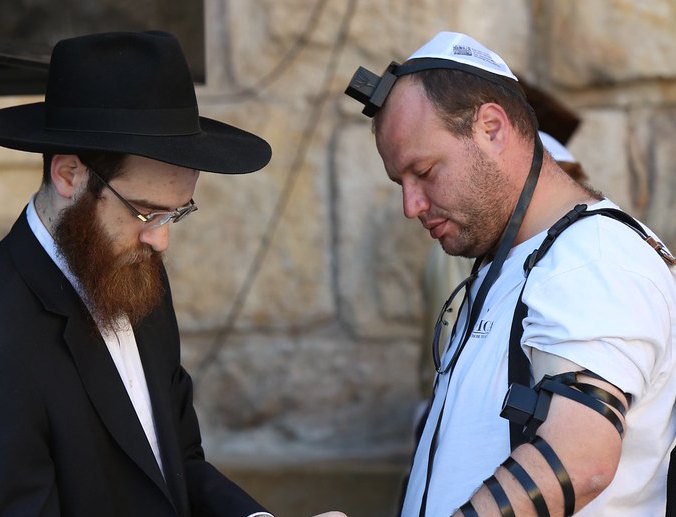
<point x="456" y="95"/>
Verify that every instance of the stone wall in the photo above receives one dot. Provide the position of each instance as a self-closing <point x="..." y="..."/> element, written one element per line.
<point x="298" y="287"/>
<point x="322" y="359"/>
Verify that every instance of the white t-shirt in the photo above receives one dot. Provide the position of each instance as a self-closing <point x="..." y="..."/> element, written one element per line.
<point x="601" y="298"/>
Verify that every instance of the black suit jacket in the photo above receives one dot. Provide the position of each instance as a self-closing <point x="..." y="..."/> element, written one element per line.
<point x="70" y="441"/>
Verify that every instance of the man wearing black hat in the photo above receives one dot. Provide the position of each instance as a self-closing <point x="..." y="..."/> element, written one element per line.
<point x="554" y="394"/>
<point x="96" y="414"/>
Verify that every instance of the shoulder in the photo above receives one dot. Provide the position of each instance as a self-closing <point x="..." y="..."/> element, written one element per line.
<point x="603" y="261"/>
<point x="599" y="242"/>
<point x="603" y="298"/>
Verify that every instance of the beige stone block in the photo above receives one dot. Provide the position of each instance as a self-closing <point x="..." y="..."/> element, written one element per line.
<point x="403" y="27"/>
<point x="319" y="392"/>
<point x="651" y="134"/>
<point x="216" y="263"/>
<point x="386" y="30"/>
<point x="280" y="47"/>
<point x="286" y="46"/>
<point x="630" y="158"/>
<point x="597" y="42"/>
<point x="380" y="254"/>
<point x="19" y="159"/>
<point x="504" y="27"/>
<point x="16" y="187"/>
<point x="600" y="144"/>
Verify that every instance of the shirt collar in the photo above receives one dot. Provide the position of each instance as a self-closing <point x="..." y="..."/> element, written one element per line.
<point x="47" y="242"/>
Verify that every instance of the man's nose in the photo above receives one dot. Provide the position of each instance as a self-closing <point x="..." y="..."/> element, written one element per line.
<point x="157" y="238"/>
<point x="414" y="199"/>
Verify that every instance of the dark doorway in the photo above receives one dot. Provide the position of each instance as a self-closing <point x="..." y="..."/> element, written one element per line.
<point x="30" y="28"/>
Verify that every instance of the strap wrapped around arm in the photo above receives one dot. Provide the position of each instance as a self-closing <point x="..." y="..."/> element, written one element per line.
<point x="468" y="510"/>
<point x="527" y="483"/>
<point x="500" y="497"/>
<point x="559" y="471"/>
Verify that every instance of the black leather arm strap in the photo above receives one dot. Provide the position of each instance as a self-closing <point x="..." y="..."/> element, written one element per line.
<point x="554" y="386"/>
<point x="559" y="471"/>
<point x="596" y="376"/>
<point x="527" y="483"/>
<point x="500" y="497"/>
<point x="528" y="407"/>
<point x="468" y="510"/>
<point x="602" y="395"/>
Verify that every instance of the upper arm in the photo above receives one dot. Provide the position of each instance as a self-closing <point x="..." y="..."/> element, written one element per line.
<point x="587" y="442"/>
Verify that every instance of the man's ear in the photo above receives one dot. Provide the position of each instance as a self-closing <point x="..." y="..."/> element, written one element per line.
<point x="69" y="175"/>
<point x="492" y="128"/>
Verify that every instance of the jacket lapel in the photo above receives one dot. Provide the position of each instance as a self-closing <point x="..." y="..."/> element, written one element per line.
<point x="157" y="338"/>
<point x="90" y="355"/>
<point x="109" y="396"/>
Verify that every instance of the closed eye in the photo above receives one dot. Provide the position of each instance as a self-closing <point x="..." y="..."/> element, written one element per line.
<point x="424" y="173"/>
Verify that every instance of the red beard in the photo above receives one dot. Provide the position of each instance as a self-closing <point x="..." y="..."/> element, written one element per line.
<point x="127" y="283"/>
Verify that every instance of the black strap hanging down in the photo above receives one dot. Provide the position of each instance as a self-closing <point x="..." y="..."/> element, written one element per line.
<point x="518" y="367"/>
<point x="504" y="246"/>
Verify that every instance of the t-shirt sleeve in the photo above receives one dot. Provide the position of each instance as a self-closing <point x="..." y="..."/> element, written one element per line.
<point x="607" y="319"/>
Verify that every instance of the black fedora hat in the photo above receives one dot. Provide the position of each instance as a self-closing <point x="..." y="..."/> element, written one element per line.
<point x="132" y="93"/>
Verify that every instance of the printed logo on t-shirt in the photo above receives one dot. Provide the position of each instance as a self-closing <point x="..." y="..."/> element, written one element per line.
<point x="482" y="329"/>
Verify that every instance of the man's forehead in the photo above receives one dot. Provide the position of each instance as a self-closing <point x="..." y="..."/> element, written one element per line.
<point x="400" y="124"/>
<point x="154" y="184"/>
<point x="405" y="99"/>
<point x="406" y="110"/>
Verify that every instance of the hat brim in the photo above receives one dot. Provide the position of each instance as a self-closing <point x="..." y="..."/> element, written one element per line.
<point x="218" y="147"/>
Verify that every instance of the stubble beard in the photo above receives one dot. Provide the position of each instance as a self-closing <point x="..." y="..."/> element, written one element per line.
<point x="486" y="212"/>
<point x="127" y="283"/>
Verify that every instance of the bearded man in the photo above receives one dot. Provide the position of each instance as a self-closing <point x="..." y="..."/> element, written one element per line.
<point x="97" y="414"/>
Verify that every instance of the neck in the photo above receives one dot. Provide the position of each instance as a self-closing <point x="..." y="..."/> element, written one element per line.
<point x="555" y="195"/>
<point x="46" y="207"/>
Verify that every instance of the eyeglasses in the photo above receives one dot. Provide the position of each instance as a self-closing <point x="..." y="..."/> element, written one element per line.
<point x="441" y="322"/>
<point x="157" y="218"/>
